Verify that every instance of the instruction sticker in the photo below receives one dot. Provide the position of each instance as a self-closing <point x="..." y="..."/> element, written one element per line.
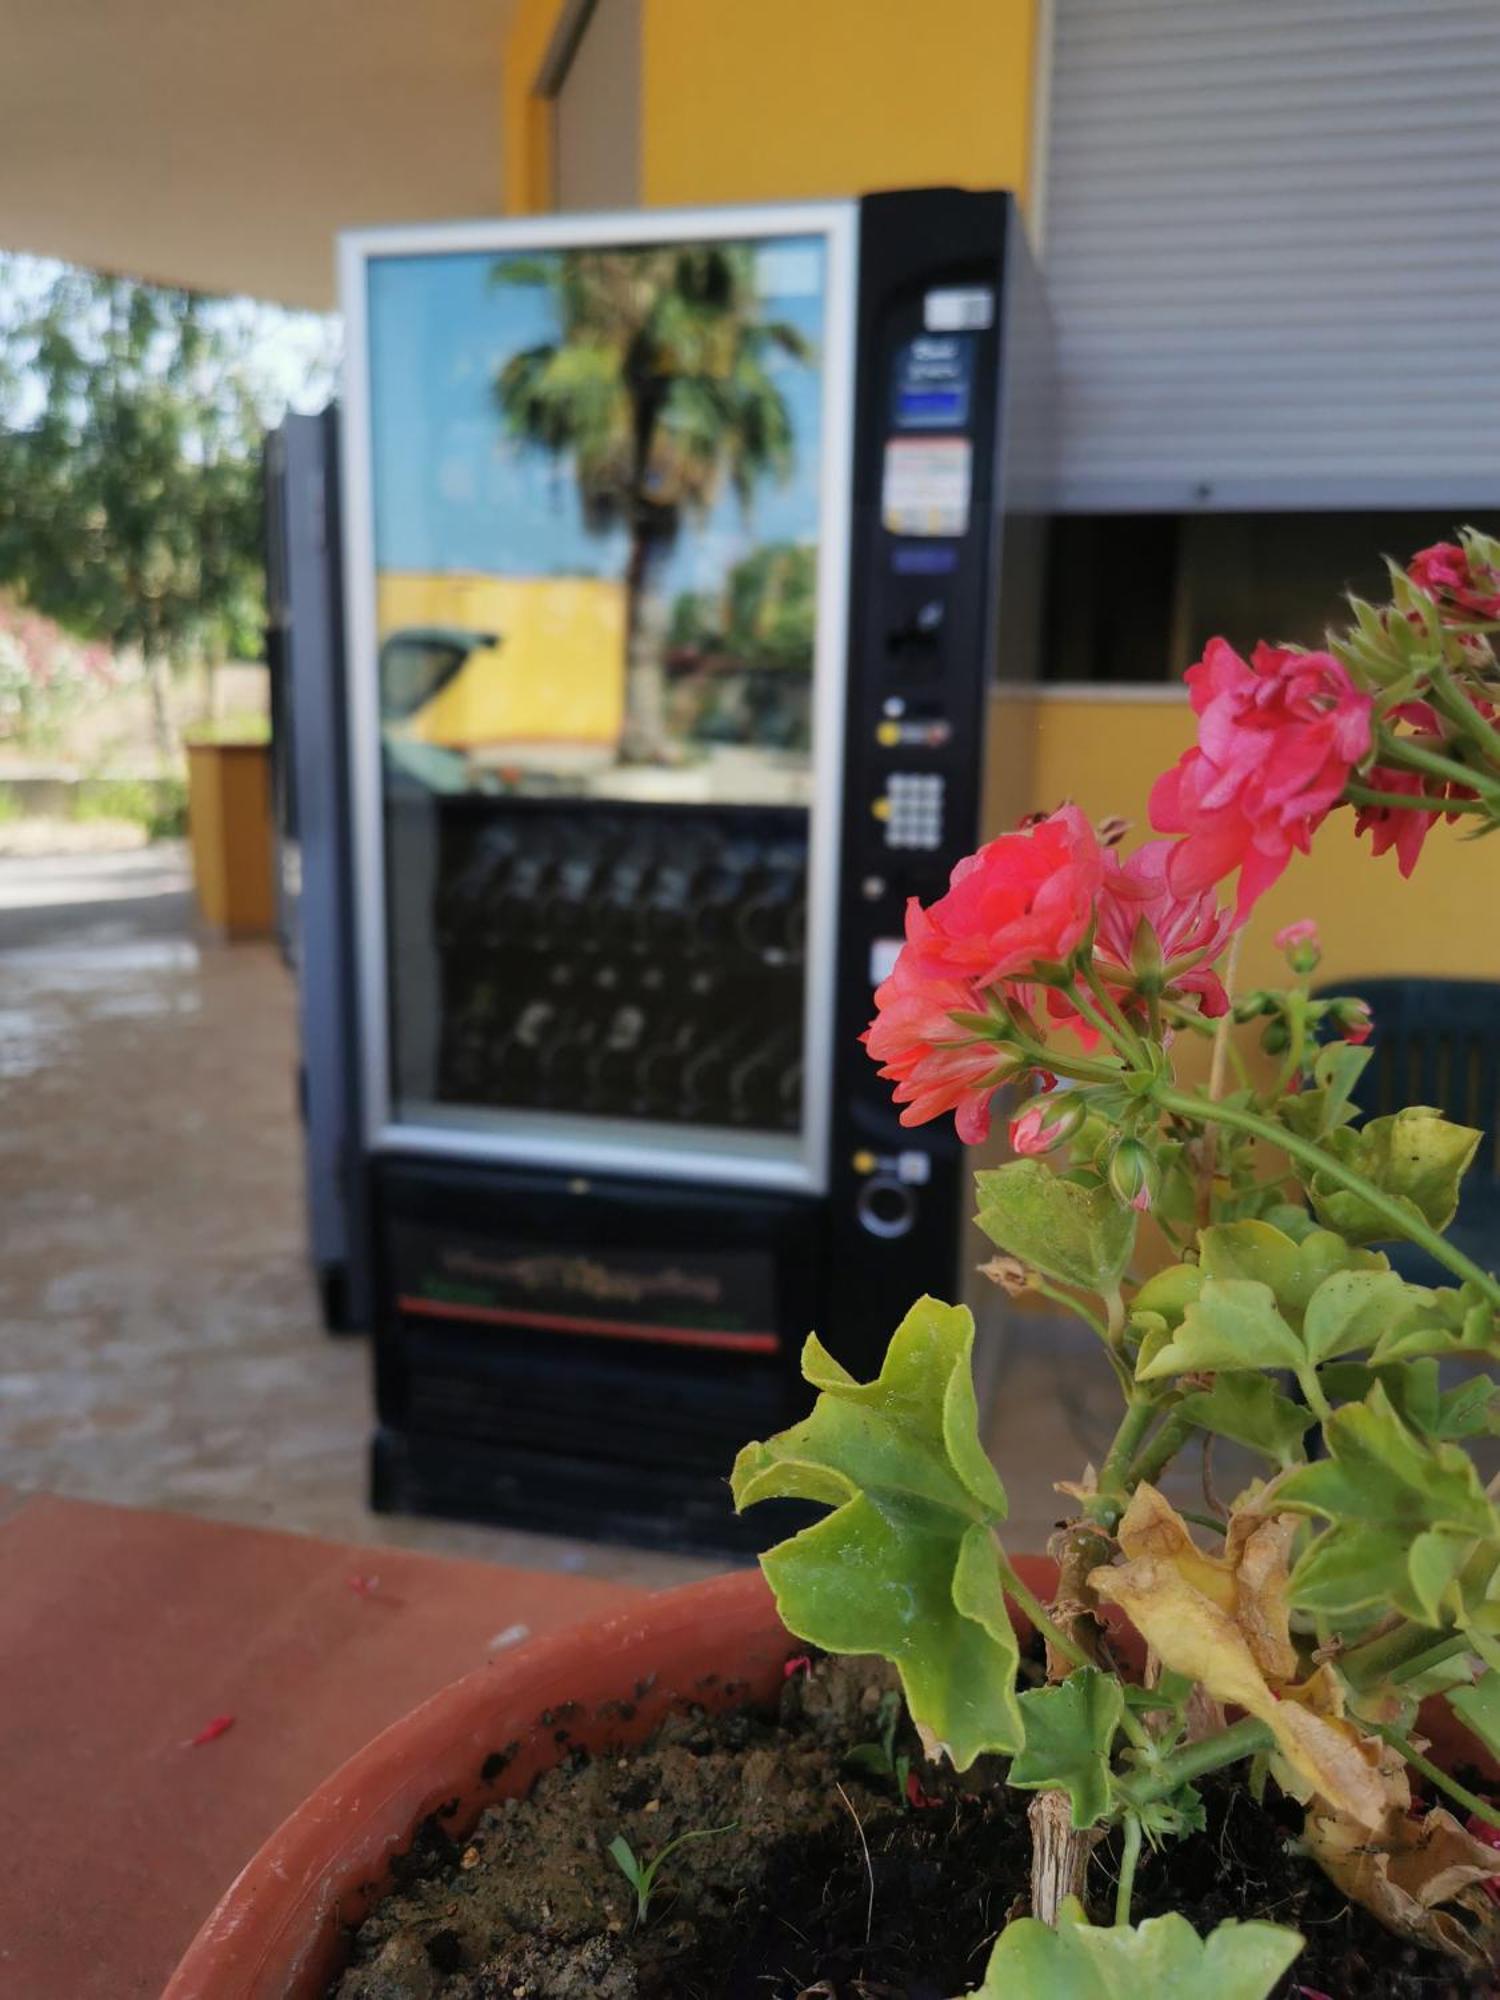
<point x="959" y="310"/>
<point x="926" y="485"/>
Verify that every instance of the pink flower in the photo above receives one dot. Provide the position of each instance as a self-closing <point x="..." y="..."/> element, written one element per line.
<point x="1147" y="929"/>
<point x="1444" y="571"/>
<point x="936" y="1063"/>
<point x="1021" y="903"/>
<point x="1304" y="931"/>
<point x="1277" y="739"/>
<point x="1399" y="827"/>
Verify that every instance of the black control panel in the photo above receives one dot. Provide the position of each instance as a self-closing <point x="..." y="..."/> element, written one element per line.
<point x="922" y="658"/>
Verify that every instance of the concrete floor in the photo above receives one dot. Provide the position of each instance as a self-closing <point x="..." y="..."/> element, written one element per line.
<point x="159" y="1340"/>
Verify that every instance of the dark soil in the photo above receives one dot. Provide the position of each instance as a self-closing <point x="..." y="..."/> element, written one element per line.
<point x="788" y="1903"/>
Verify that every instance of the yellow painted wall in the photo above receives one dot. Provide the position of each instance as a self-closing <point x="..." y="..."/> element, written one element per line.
<point x="525" y="120"/>
<point x="750" y="100"/>
<point x="1106" y="754"/>
<point x="769" y="100"/>
<point x="558" y="675"/>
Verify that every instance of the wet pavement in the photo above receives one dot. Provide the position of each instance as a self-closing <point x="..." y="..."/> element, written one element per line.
<point x="160" y="1343"/>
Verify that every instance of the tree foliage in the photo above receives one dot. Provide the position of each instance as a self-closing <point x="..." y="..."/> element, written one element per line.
<point x="130" y="425"/>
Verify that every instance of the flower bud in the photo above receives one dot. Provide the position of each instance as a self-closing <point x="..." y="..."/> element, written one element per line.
<point x="1134" y="1176"/>
<point x="1146" y="960"/>
<point x="1045" y="1124"/>
<point x="1353" y="1019"/>
<point x="1301" y="944"/>
<point x="1277" y="1039"/>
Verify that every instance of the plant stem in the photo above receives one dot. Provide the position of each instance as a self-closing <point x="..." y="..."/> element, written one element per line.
<point x="1404" y="1224"/>
<point x="1129" y="1856"/>
<point x="1368" y="795"/>
<point x="1242" y="1739"/>
<point x="1040" y="1617"/>
<point x="1135" y="1423"/>
<point x="1451" y="699"/>
<point x="1107" y="1029"/>
<point x="1059" y="1297"/>
<point x="1433" y="1657"/>
<point x="1159" y="1454"/>
<point x="1400" y="750"/>
<point x="1397" y="1655"/>
<point x="1435" y="1775"/>
<point x="1130" y="1039"/>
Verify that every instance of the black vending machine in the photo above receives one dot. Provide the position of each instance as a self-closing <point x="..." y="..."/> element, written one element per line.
<point x="681" y="552"/>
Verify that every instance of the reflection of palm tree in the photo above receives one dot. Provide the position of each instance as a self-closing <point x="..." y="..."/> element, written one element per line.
<point x="657" y="389"/>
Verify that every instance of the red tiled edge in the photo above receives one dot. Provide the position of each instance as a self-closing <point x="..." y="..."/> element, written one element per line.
<point x="122" y="1634"/>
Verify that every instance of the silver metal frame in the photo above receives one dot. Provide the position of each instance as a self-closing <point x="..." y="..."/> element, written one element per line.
<point x="578" y="1142"/>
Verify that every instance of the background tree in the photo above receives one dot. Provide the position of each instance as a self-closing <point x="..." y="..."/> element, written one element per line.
<point x="130" y="426"/>
<point x="658" y="390"/>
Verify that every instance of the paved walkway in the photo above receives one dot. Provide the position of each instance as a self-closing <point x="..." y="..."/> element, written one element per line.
<point x="160" y="1344"/>
<point x="159" y="1339"/>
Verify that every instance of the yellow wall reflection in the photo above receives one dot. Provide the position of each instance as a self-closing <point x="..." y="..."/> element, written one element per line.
<point x="557" y="676"/>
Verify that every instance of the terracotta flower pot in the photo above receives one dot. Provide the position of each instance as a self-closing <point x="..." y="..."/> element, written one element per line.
<point x="280" y="1931"/>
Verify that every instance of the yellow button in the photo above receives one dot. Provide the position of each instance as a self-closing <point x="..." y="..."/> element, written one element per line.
<point x="881" y="809"/>
<point x="888" y="732"/>
<point x="864" y="1163"/>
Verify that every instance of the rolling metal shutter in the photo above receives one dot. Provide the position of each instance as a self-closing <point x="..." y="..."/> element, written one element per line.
<point x="1272" y="244"/>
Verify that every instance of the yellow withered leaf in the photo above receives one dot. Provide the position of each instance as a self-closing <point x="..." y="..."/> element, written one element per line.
<point x="1404" y="1872"/>
<point x="1222" y="1621"/>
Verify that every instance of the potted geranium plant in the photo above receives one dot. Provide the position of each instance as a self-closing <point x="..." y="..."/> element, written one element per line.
<point x="1293" y="1637"/>
<point x="1313" y="1644"/>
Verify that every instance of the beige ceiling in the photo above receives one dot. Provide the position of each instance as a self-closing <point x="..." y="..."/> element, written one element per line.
<point x="221" y="143"/>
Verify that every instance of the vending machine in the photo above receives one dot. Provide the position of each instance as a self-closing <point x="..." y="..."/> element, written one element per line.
<point x="681" y="553"/>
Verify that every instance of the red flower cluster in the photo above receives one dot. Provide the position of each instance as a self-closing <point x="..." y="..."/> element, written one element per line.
<point x="974" y="967"/>
<point x="1457" y="584"/>
<point x="1402" y="827"/>
<point x="1147" y="929"/>
<point x="1277" y="739"/>
<point x="1025" y="900"/>
<point x="937" y="1063"/>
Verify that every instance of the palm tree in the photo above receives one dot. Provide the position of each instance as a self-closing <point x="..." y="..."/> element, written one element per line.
<point x="657" y="389"/>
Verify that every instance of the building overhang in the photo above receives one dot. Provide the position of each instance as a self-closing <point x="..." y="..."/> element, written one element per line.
<point x="221" y="146"/>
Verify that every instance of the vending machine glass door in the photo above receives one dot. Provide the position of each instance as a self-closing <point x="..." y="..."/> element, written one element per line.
<point x="597" y="529"/>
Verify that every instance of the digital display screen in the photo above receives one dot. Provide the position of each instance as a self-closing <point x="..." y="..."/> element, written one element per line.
<point x="596" y="490"/>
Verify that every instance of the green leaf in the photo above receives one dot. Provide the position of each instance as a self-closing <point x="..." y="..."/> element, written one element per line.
<point x="1415" y="1155"/>
<point x="1470" y="1410"/>
<point x="1293" y="1269"/>
<point x="1351" y="1311"/>
<point x="1077" y="1235"/>
<point x="1452" y="1322"/>
<point x="1411" y="1385"/>
<point x="1169" y="1293"/>
<point x="1478" y="1709"/>
<point x="1252" y="1411"/>
<point x="1164" y="1958"/>
<point x="906" y="1565"/>
<point x="1233" y="1323"/>
<point x="1291" y="1219"/>
<point x="1318" y="1110"/>
<point x="1070" y="1732"/>
<point x="1385" y="1492"/>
